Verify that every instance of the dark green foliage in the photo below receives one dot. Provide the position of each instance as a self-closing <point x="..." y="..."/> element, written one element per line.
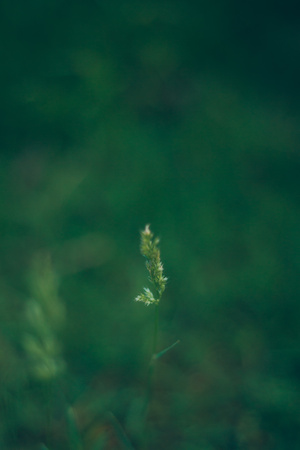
<point x="180" y="114"/>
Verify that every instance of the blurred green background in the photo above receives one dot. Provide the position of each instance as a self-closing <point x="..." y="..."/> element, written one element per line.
<point x="184" y="115"/>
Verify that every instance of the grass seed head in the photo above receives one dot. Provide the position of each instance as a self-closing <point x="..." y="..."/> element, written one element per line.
<point x="150" y="250"/>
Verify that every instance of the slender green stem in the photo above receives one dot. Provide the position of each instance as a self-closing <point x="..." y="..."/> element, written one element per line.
<point x="155" y="334"/>
<point x="149" y="390"/>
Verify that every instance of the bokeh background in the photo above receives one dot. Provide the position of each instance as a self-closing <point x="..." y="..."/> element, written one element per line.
<point x="184" y="115"/>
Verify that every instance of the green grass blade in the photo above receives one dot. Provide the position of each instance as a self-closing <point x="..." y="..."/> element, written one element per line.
<point x="74" y="435"/>
<point x="158" y="355"/>
<point x="120" y="431"/>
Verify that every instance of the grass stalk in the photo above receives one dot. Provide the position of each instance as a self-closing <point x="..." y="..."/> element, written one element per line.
<point x="150" y="250"/>
<point x="155" y="334"/>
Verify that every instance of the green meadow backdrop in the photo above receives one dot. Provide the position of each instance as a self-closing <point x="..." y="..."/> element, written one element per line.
<point x="179" y="114"/>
